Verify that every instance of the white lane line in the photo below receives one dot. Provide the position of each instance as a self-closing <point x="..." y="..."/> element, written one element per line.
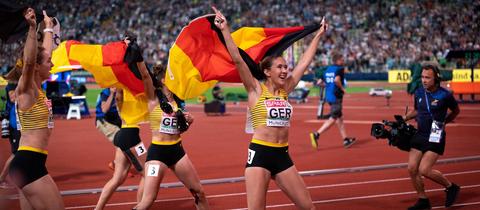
<point x="275" y="190"/>
<point x="365" y="197"/>
<point x="369" y="122"/>
<point x="457" y="205"/>
<point x="302" y="173"/>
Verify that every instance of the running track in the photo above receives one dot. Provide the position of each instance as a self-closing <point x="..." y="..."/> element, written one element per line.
<point x="369" y="175"/>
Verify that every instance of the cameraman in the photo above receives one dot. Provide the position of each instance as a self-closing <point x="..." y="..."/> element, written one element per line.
<point x="333" y="77"/>
<point x="431" y="105"/>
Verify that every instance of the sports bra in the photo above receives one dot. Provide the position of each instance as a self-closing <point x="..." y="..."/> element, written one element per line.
<point x="39" y="116"/>
<point x="271" y="110"/>
<point x="164" y="123"/>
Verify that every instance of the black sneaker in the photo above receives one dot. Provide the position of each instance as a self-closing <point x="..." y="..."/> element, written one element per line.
<point x="314" y="139"/>
<point x="451" y="194"/>
<point x="422" y="203"/>
<point x="348" y="142"/>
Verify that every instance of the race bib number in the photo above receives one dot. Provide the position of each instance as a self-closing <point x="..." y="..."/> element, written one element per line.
<point x="140" y="149"/>
<point x="278" y="113"/>
<point x="153" y="170"/>
<point x="48" y="102"/>
<point x="169" y="125"/>
<point x="436" y="132"/>
<point x="251" y="154"/>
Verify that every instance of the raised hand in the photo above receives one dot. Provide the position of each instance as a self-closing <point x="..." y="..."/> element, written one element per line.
<point x="47" y="20"/>
<point x="323" y="27"/>
<point x="220" y="20"/>
<point x="30" y="17"/>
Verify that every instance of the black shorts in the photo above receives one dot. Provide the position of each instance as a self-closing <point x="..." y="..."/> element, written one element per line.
<point x="336" y="109"/>
<point x="421" y="143"/>
<point x="14" y="139"/>
<point x="167" y="154"/>
<point x="26" y="167"/>
<point x="274" y="159"/>
<point x="127" y="138"/>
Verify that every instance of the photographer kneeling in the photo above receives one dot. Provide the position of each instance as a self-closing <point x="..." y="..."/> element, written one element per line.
<point x="431" y="105"/>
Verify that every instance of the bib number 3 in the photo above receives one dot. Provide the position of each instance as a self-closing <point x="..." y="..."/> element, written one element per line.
<point x="251" y="154"/>
<point x="140" y="149"/>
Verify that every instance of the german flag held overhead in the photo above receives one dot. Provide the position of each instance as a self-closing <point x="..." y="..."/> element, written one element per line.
<point x="199" y="58"/>
<point x="105" y="62"/>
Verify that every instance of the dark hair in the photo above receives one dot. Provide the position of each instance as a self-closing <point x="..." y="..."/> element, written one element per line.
<point x="436" y="72"/>
<point x="130" y="36"/>
<point x="159" y="71"/>
<point x="267" y="62"/>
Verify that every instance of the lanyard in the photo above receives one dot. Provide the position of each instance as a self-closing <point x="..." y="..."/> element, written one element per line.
<point x="428" y="104"/>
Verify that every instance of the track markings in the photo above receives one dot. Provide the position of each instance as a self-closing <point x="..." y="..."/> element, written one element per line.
<point x="373" y="196"/>
<point x="308" y="187"/>
<point x="369" y="122"/>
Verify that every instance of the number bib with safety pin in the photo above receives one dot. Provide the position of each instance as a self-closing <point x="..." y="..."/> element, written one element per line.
<point x="169" y="125"/>
<point x="138" y="151"/>
<point x="278" y="113"/>
<point x="436" y="132"/>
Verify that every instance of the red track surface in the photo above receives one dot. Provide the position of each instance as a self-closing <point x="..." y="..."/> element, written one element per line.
<point x="78" y="158"/>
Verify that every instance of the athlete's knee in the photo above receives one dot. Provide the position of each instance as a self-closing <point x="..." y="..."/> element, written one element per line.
<point x="412" y="170"/>
<point x="424" y="171"/>
<point x="198" y="195"/>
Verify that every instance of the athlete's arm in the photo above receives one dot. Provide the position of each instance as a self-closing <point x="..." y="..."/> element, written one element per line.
<point x="48" y="36"/>
<point x="306" y="58"/>
<point x="26" y="81"/>
<point x="250" y="82"/>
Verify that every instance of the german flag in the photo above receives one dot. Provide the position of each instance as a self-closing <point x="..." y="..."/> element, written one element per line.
<point x="105" y="62"/>
<point x="199" y="58"/>
<point x="60" y="58"/>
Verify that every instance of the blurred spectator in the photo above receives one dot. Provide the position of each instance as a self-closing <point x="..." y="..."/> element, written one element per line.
<point x="372" y="35"/>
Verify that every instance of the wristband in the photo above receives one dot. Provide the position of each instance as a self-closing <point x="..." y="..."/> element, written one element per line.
<point x="48" y="30"/>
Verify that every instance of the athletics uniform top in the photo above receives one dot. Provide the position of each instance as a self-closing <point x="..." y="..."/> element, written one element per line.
<point x="272" y="111"/>
<point x="38" y="116"/>
<point x="163" y="122"/>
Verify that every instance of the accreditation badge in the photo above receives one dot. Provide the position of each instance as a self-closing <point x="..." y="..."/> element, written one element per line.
<point x="436" y="132"/>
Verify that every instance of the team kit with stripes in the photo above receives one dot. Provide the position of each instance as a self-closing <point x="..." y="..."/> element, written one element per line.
<point x="204" y="53"/>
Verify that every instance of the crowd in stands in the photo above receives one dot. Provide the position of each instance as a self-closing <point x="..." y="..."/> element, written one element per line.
<point x="374" y="36"/>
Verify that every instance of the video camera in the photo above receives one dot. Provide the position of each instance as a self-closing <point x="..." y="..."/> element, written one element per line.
<point x="399" y="133"/>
